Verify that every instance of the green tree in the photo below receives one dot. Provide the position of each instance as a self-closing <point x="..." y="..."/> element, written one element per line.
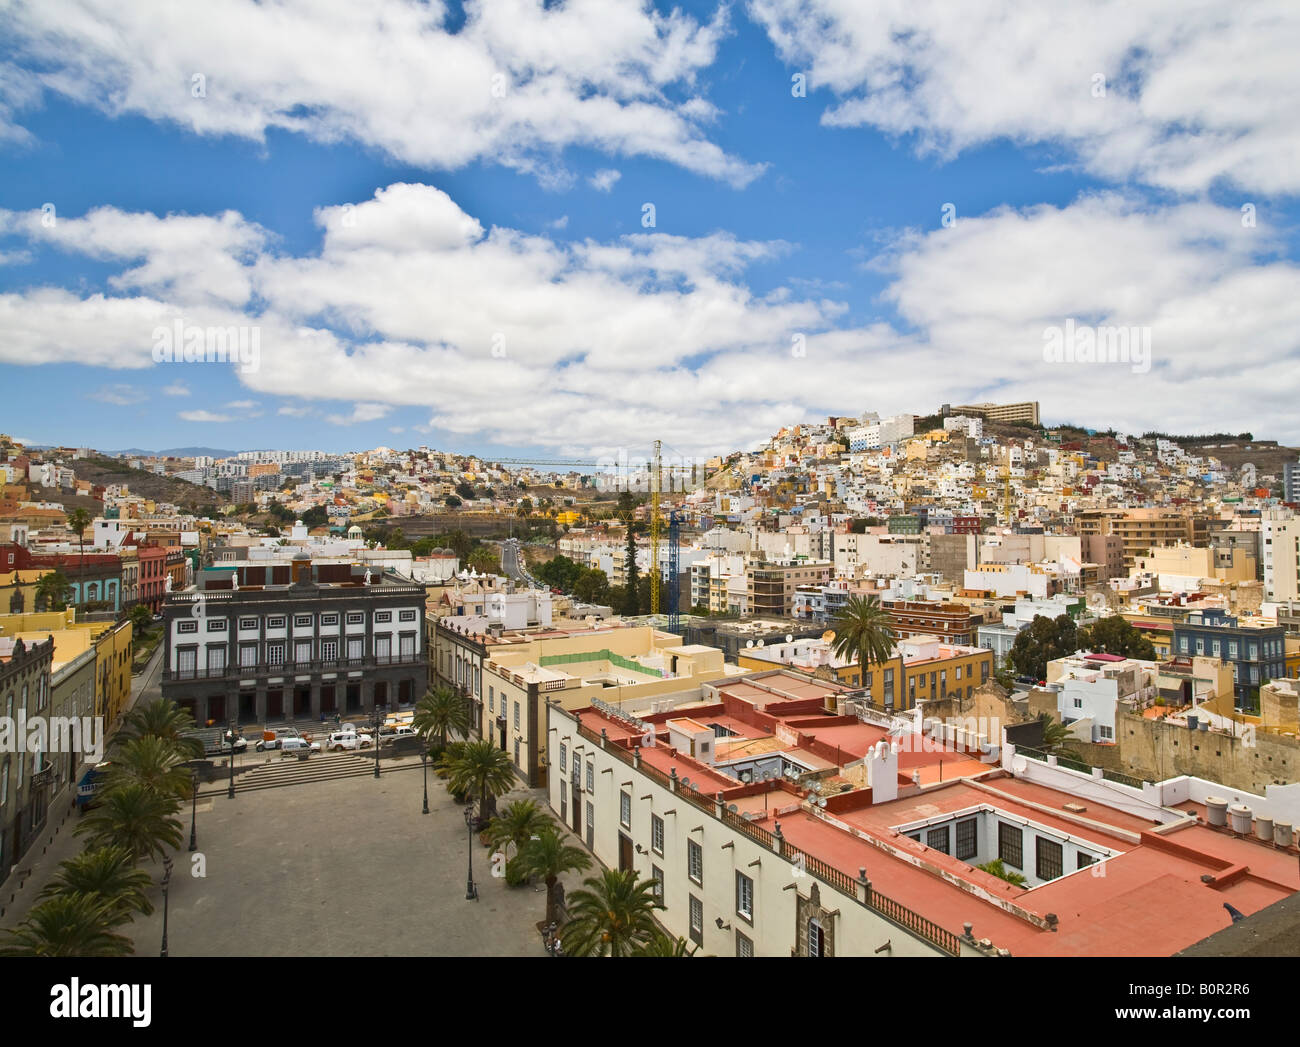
<point x="592" y="586"/>
<point x="465" y="490"/>
<point x="631" y="591"/>
<point x="141" y="618"/>
<point x="480" y="769"/>
<point x="78" y="521"/>
<point x="1116" y="635"/>
<point x="548" y="858"/>
<point x="661" y="944"/>
<point x="1056" y="737"/>
<point x="518" y="823"/>
<point x="864" y="633"/>
<point x="136" y="817"/>
<point x="484" y="560"/>
<point x="440" y="712"/>
<point x="53" y="591"/>
<point x="153" y="762"/>
<point x="68" y="925"/>
<point x="452" y="502"/>
<point x="612" y="915"/>
<point x="1042" y="641"/>
<point x="164" y="719"/>
<point x="109" y="873"/>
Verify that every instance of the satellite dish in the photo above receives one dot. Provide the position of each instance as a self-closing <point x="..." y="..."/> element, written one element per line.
<point x="789" y="637"/>
<point x="732" y="808"/>
<point x="686" y="781"/>
<point x="821" y="803"/>
<point x="694" y="788"/>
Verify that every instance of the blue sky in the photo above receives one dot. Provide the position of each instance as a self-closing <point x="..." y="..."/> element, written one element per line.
<point x="426" y="262"/>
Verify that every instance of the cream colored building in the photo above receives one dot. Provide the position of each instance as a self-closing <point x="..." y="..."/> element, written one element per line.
<point x="1281" y="543"/>
<point x="614" y="666"/>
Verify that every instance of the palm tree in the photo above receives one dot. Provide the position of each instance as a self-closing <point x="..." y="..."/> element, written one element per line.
<point x="163" y="718"/>
<point x="79" y="520"/>
<point x="108" y="872"/>
<point x="548" y="858"/>
<point x="1056" y="737"/>
<point x="68" y="925"/>
<point x="135" y="817"/>
<point x="441" y="711"/>
<point x="153" y="762"/>
<point x="518" y="823"/>
<point x="661" y="944"/>
<point x="864" y="633"/>
<point x="483" y="769"/>
<point x="612" y="915"/>
<point x="52" y="591"/>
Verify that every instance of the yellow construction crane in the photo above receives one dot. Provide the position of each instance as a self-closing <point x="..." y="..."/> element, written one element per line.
<point x="656" y="523"/>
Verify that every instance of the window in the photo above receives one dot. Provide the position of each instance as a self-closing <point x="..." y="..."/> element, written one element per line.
<point x="625" y="810"/>
<point x="1048" y="855"/>
<point x="744" y="947"/>
<point x="656" y="834"/>
<point x="591" y="776"/>
<point x="1082" y="861"/>
<point x="966" y="840"/>
<point x="697" y="920"/>
<point x="302" y="651"/>
<point x="248" y="654"/>
<point x="216" y="625"/>
<point x="816" y="938"/>
<point x="695" y="861"/>
<point x="564" y="800"/>
<point x="275" y="623"/>
<point x="329" y="650"/>
<point x="383" y="616"/>
<point x="356" y="648"/>
<point x="216" y="659"/>
<point x="492" y="704"/>
<point x="329" y="619"/>
<point x="1010" y="845"/>
<point x="187" y="627"/>
<point x="657" y="874"/>
<point x="406" y="616"/>
<point x="248" y="623"/>
<point x="938" y="839"/>
<point x="564" y="758"/>
<point x="744" y="897"/>
<point x="275" y="653"/>
<point x="1106" y="733"/>
<point x="516" y="716"/>
<point x="302" y="621"/>
<point x="356" y="618"/>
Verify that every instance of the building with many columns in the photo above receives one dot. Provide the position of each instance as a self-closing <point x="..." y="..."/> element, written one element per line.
<point x="295" y="639"/>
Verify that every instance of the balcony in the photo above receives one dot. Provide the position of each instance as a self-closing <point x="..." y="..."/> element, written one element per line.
<point x="293" y="668"/>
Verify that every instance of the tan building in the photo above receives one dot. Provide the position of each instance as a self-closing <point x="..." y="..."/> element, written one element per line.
<point x="772" y="587"/>
<point x="1178" y="565"/>
<point x="610" y="665"/>
<point x="1281" y="538"/>
<point x="1025" y="413"/>
<point x="1143" y="530"/>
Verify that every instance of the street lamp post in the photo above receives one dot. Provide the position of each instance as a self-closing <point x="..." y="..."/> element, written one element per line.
<point x="230" y="737"/>
<point x="471" y="892"/>
<point x="194" y="807"/>
<point x="375" y="740"/>
<point x="424" y="761"/>
<point x="166" y="882"/>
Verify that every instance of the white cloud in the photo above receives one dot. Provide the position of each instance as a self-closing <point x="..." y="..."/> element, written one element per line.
<point x="205" y="416"/>
<point x="519" y="340"/>
<point x="605" y="179"/>
<point x="121" y="395"/>
<point x="241" y="405"/>
<point x="176" y="389"/>
<point x="517" y="84"/>
<point x="560" y="223"/>
<point x="1195" y="90"/>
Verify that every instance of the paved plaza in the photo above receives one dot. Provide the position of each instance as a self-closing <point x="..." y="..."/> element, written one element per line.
<point x="341" y="868"/>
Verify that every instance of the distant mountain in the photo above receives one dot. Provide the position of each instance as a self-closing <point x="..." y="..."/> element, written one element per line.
<point x="174" y="452"/>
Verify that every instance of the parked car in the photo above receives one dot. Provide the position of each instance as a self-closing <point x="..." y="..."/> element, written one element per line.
<point x="297" y="745"/>
<point x="272" y="739"/>
<point x="340" y="740"/>
<point x="401" y="730"/>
